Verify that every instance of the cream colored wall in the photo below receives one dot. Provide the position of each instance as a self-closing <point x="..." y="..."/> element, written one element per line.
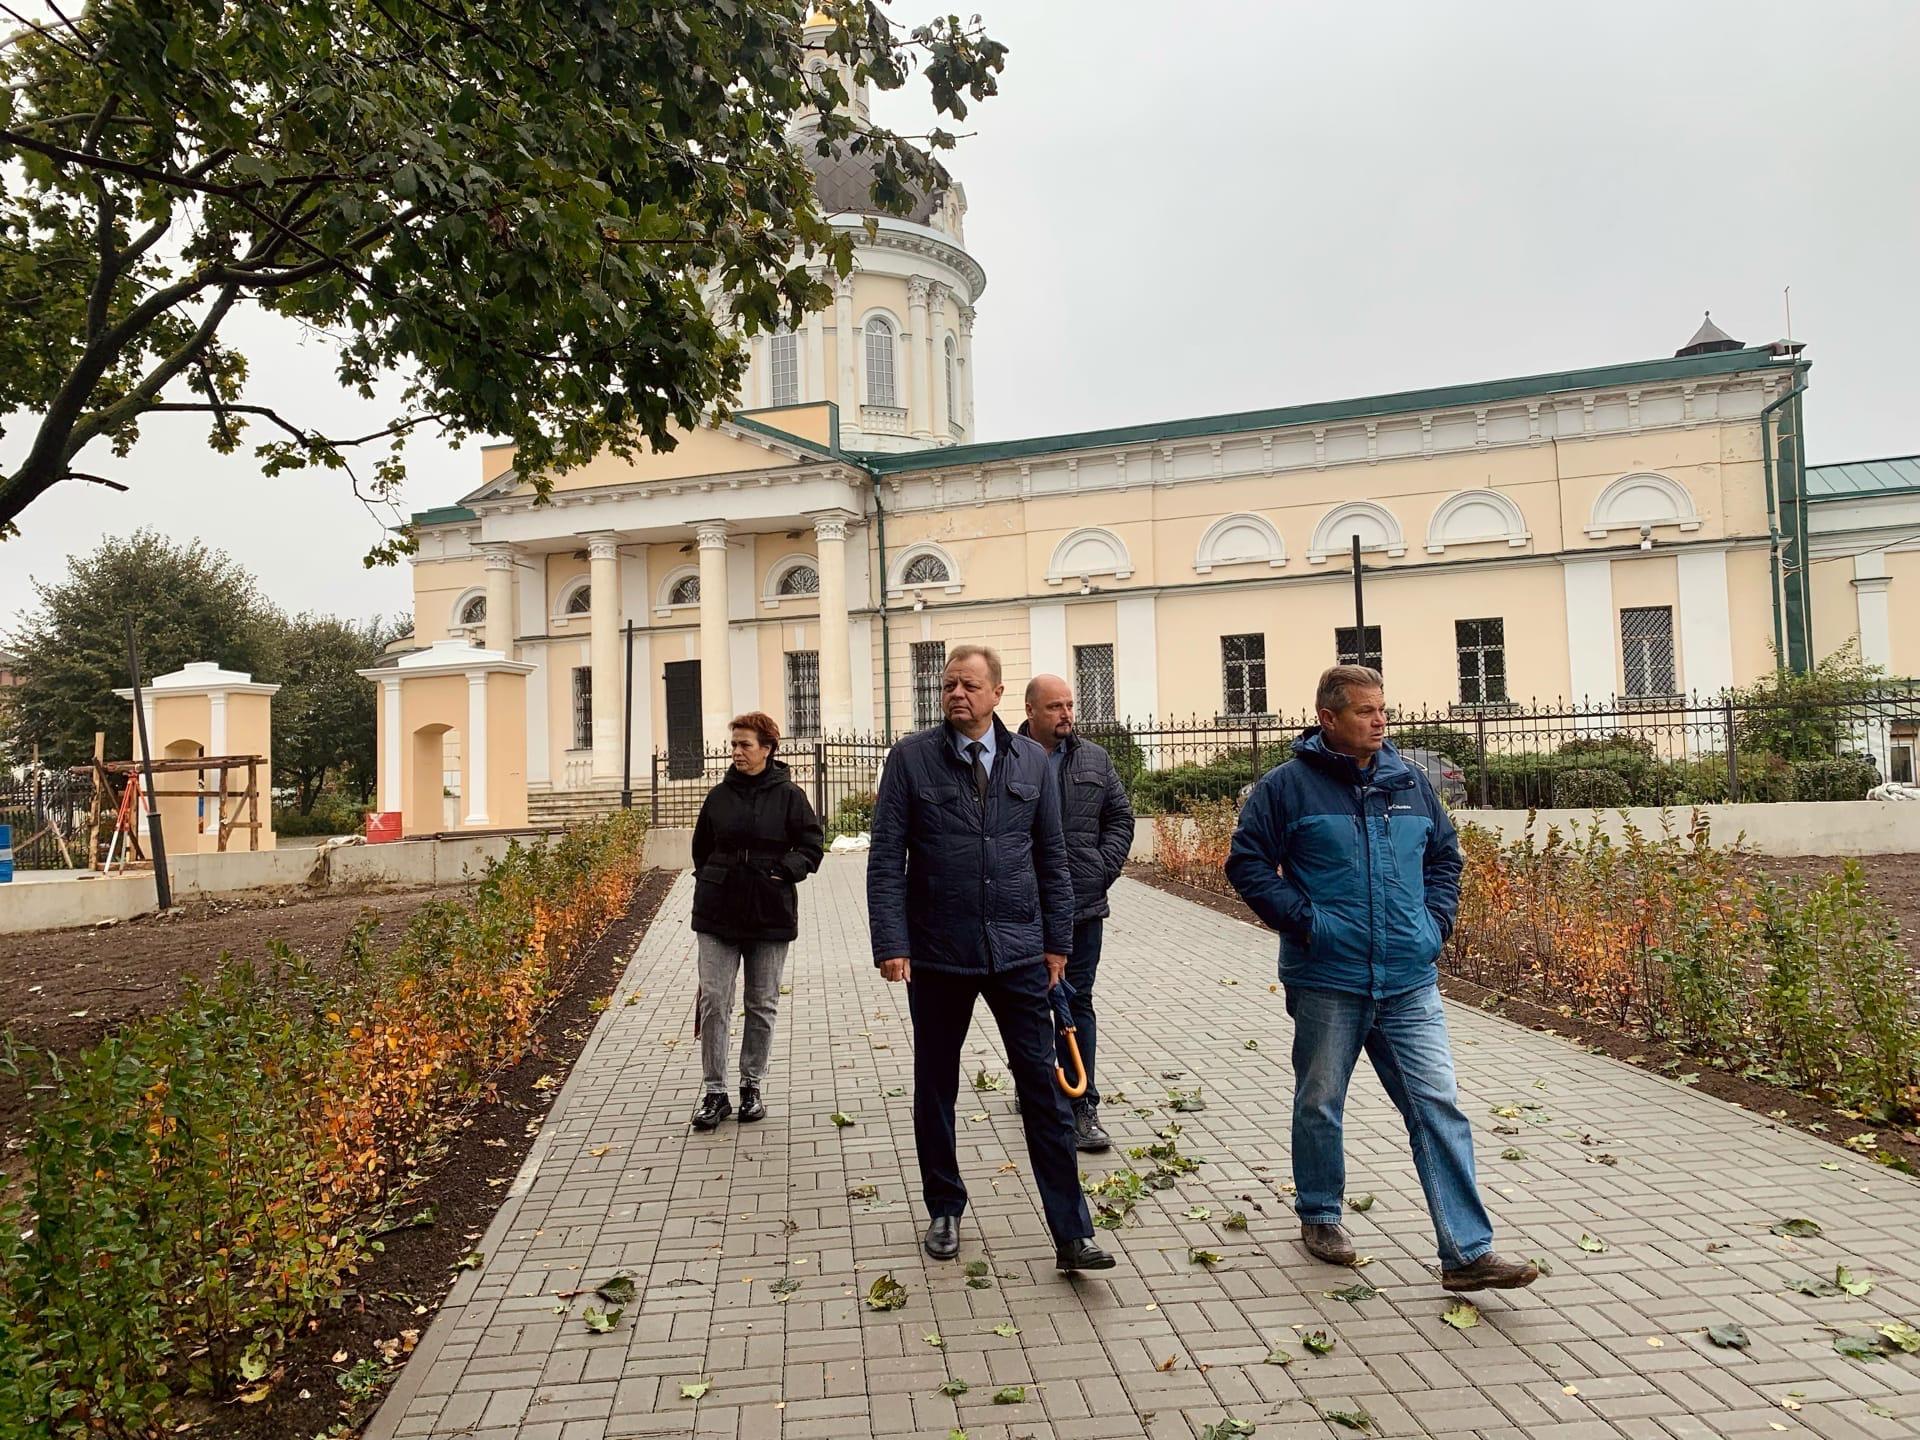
<point x="431" y="699"/>
<point x="702" y="451"/>
<point x="1004" y="627"/>
<point x="808" y="422"/>
<point x="437" y="584"/>
<point x="506" y="750"/>
<point x="1751" y="603"/>
<point x="250" y="732"/>
<point x="1710" y="462"/>
<point x="1903" y="606"/>
<point x="1836" y="612"/>
<point x="561" y="658"/>
<point x="1089" y="624"/>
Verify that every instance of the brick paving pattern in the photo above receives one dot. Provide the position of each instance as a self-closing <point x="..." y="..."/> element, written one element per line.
<point x="1679" y="1187"/>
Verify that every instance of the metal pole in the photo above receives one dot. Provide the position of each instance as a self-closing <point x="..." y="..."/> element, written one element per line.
<point x="1733" y="751"/>
<point x="162" y="884"/>
<point x="820" y="780"/>
<point x="1480" y="743"/>
<point x="1359" y="610"/>
<point x="626" y="731"/>
<point x="653" y="815"/>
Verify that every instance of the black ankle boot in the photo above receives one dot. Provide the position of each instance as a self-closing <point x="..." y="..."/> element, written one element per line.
<point x="713" y="1109"/>
<point x="751" y="1106"/>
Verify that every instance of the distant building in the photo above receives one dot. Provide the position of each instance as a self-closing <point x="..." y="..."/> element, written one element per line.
<point x="10" y="673"/>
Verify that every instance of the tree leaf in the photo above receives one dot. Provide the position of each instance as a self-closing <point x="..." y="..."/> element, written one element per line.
<point x="785" y="1288"/>
<point x="979" y="1282"/>
<point x="600" y="1321"/>
<point x="1352" y="1294"/>
<point x="1729" y="1336"/>
<point x="1227" y="1429"/>
<point x="1006" y="1330"/>
<point x="472" y="1260"/>
<point x="985" y="1080"/>
<point x="935" y="1339"/>
<point x="1010" y="1395"/>
<point x="1859" y="1347"/>
<point x="886" y="1293"/>
<point x="695" y="1390"/>
<point x="1277" y="1356"/>
<point x="954" y="1385"/>
<point x="1799" y="1227"/>
<point x="1198" y="1256"/>
<point x="253" y="1364"/>
<point x="1461" y="1314"/>
<point x="1901" y="1336"/>
<point x="1352" y="1419"/>
<point x="1360" y="1203"/>
<point x="1236" y="1220"/>
<point x="979" y="1267"/>
<point x="1813" y="1285"/>
<point x="617" y="1291"/>
<point x="1513" y="1152"/>
<point x="1592" y="1244"/>
<point x="1851" y="1283"/>
<point x="1199" y="1212"/>
<point x="862" y="1192"/>
<point x="841" y="1118"/>
<point x="1319" y="1342"/>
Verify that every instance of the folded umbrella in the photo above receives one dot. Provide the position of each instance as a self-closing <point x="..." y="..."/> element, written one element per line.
<point x="1061" y="996"/>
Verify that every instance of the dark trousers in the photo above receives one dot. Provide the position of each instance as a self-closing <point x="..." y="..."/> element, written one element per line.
<point x="1082" y="966"/>
<point x="942" y="1010"/>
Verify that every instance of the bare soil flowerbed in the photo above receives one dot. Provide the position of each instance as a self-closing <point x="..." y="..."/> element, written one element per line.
<point x="1783" y="1106"/>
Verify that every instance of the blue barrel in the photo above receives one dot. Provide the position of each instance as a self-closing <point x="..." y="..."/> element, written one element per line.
<point x="6" y="853"/>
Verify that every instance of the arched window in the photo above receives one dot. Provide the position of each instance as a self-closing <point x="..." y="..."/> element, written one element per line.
<point x="474" y="612"/>
<point x="953" y="385"/>
<point x="580" y="602"/>
<point x="1374" y="524"/>
<point x="925" y="570"/>
<point x="685" y="591"/>
<point x="800" y="580"/>
<point x="880" y="386"/>
<point x="783" y="368"/>
<point x="1087" y="552"/>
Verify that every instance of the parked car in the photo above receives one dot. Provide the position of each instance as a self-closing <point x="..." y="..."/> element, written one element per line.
<point x="1449" y="781"/>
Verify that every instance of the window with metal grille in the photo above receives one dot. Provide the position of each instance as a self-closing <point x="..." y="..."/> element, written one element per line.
<point x="1646" y="648"/>
<point x="1482" y="649"/>
<point x="783" y="368"/>
<point x="800" y="580"/>
<point x="580" y="602"/>
<point x="929" y="664"/>
<point x="926" y="570"/>
<point x="880" y="389"/>
<point x="583" y="707"/>
<point x="1243" y="665"/>
<point x="686" y="591"/>
<point x="1093" y="683"/>
<point x="474" y="612"/>
<point x="1347" y="651"/>
<point x="803" y="692"/>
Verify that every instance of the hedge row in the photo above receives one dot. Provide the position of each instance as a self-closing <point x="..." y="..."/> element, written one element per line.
<point x="200" y="1183"/>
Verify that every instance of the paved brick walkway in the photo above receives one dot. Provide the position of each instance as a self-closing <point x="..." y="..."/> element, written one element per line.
<point x="1680" y="1188"/>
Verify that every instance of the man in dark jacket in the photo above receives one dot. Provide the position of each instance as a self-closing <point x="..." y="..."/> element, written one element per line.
<point x="968" y="897"/>
<point x="1099" y="823"/>
<point x="1348" y="853"/>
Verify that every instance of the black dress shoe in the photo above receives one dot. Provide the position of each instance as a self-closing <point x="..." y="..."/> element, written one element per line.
<point x="942" y="1240"/>
<point x="1081" y="1254"/>
<point x="1089" y="1135"/>
<point x="752" y="1108"/>
<point x="713" y="1109"/>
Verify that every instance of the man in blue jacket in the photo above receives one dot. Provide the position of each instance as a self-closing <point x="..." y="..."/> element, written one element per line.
<point x="968" y="897"/>
<point x="1348" y="853"/>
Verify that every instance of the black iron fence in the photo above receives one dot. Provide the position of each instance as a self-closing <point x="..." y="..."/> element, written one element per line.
<point x="48" y="811"/>
<point x="838" y="774"/>
<point x="1670" y="751"/>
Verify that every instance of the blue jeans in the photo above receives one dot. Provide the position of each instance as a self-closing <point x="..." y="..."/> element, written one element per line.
<point x="1405" y="1036"/>
<point x="1082" y="967"/>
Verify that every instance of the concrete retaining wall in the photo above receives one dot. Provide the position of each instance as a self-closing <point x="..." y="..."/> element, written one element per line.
<point x="61" y="902"/>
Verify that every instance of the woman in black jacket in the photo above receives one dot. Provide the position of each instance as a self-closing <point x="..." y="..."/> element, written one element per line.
<point x="757" y="838"/>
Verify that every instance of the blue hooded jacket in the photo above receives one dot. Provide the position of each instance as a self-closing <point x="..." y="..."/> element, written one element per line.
<point x="1358" y="871"/>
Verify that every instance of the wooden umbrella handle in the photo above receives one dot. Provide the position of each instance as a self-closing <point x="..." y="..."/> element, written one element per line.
<point x="1074" y="1091"/>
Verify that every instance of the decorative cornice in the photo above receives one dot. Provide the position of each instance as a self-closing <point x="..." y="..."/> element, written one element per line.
<point x="930" y="246"/>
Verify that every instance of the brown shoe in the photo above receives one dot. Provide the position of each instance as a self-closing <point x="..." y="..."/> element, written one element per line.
<point x="1328" y="1243"/>
<point x="1490" y="1272"/>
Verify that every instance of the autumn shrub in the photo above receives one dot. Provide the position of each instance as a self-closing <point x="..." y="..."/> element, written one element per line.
<point x="1672" y="936"/>
<point x="200" y="1183"/>
<point x="1192" y="848"/>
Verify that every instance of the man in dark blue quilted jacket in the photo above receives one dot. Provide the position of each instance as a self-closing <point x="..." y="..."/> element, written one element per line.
<point x="1348" y="853"/>
<point x="969" y="898"/>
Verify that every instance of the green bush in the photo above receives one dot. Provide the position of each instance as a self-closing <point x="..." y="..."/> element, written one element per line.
<point x="1590" y="790"/>
<point x="855" y="815"/>
<point x="1128" y="759"/>
<point x="1849" y="777"/>
<point x="1459" y="746"/>
<point x="332" y="814"/>
<point x="1181" y="787"/>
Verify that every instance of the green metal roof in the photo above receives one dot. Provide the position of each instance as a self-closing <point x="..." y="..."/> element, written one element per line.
<point x="1898" y="474"/>
<point x="1446" y="397"/>
<point x="443" y="515"/>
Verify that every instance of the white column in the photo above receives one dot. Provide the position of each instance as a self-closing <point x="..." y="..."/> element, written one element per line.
<point x="603" y="557"/>
<point x="1592" y="638"/>
<point x="913" y="354"/>
<point x="758" y="389"/>
<point x="390" y="742"/>
<point x="937" y="362"/>
<point x="966" y="371"/>
<point x="1047" y="639"/>
<point x="1871" y="584"/>
<point x="836" y="674"/>
<point x="499" y="628"/>
<point x="848" y="345"/>
<point x="1136" y="658"/>
<point x="1706" y="628"/>
<point x="813" y="376"/>
<point x="539" y="731"/>
<point x="716" y="660"/>
<point x="216" y="722"/>
<point x="476" y="748"/>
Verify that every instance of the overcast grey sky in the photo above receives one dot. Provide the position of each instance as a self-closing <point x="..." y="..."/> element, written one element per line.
<point x="1201" y="208"/>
